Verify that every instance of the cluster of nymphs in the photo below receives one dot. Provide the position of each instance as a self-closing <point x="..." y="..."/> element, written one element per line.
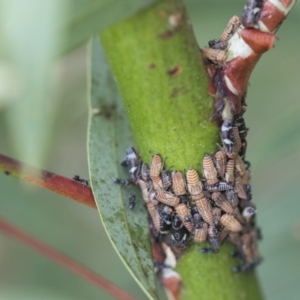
<point x="212" y="209"/>
<point x="216" y="207"/>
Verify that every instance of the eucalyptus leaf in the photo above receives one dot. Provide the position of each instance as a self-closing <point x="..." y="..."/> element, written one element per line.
<point x="109" y="136"/>
<point x="90" y="16"/>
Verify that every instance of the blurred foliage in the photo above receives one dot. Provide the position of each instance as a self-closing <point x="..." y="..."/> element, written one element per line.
<point x="89" y="16"/>
<point x="29" y="41"/>
<point x="273" y="149"/>
<point x="32" y="34"/>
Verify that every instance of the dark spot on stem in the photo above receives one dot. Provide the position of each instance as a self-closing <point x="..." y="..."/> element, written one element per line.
<point x="169" y="33"/>
<point x="162" y="13"/>
<point x="152" y="66"/>
<point x="177" y="91"/>
<point x="46" y="175"/>
<point x="174" y="93"/>
<point x="175" y="71"/>
<point x="7" y="173"/>
<point x="107" y="110"/>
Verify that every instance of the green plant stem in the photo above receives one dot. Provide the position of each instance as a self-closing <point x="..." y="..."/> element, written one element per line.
<point x="163" y="83"/>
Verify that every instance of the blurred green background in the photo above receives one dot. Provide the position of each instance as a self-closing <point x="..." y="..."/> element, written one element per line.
<point x="273" y="149"/>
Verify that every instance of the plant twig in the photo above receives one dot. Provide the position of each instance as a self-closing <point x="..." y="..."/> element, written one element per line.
<point x="56" y="183"/>
<point x="63" y="260"/>
<point x="165" y="96"/>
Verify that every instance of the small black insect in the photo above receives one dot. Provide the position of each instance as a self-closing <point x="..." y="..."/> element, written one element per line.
<point x="79" y="179"/>
<point x="213" y="237"/>
<point x="217" y="44"/>
<point x="220" y="186"/>
<point x="166" y="219"/>
<point x="246" y="267"/>
<point x="179" y="233"/>
<point x="243" y="101"/>
<point x="208" y="250"/>
<point x="166" y="179"/>
<point x="132" y="202"/>
<point x="145" y="172"/>
<point x="158" y="267"/>
<point x="259" y="234"/>
<point x="227" y="136"/>
<point x="251" y="13"/>
<point x="122" y="181"/>
<point x="197" y="219"/>
<point x="133" y="164"/>
<point x="232" y="197"/>
<point x="248" y="191"/>
<point x="237" y="254"/>
<point x="213" y="241"/>
<point x="248" y="164"/>
<point x="242" y="152"/>
<point x="239" y="122"/>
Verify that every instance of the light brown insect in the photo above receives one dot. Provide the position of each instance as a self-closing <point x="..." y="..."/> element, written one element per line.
<point x="237" y="139"/>
<point x="209" y="170"/>
<point x="246" y="247"/>
<point x="239" y="187"/>
<point x="235" y="238"/>
<point x="154" y="215"/>
<point x="152" y="197"/>
<point x="213" y="236"/>
<point x="185" y="216"/>
<point x="157" y="183"/>
<point x="239" y="165"/>
<point x="216" y="56"/>
<point x="222" y="202"/>
<point x="231" y="28"/>
<point x="231" y="223"/>
<point x="221" y="159"/>
<point x="205" y="210"/>
<point x="144" y="188"/>
<point x="212" y="231"/>
<point x="201" y="233"/>
<point x="255" y="252"/>
<point x="216" y="211"/>
<point x="229" y="173"/>
<point x="166" y="179"/>
<point x="178" y="183"/>
<point x="194" y="184"/>
<point x="238" y="216"/>
<point x="156" y="166"/>
<point x="167" y="198"/>
<point x="232" y="197"/>
<point x="223" y="234"/>
<point x="246" y="177"/>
